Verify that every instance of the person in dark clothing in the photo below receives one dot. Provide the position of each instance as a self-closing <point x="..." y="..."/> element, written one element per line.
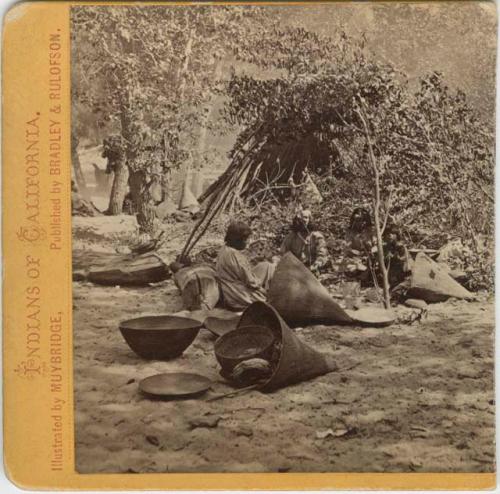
<point x="360" y="232"/>
<point x="397" y="259"/>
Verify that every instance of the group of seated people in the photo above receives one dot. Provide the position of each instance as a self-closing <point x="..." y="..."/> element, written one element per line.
<point x="242" y="284"/>
<point x="361" y="242"/>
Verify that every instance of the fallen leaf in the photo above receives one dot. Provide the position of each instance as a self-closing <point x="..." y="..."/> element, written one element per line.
<point x="341" y="432"/>
<point x="153" y="440"/>
<point x="244" y="431"/>
<point x="418" y="428"/>
<point x="206" y="422"/>
<point x="338" y="432"/>
<point x="324" y="434"/>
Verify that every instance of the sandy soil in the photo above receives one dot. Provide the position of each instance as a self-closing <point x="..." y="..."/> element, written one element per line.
<point x="406" y="398"/>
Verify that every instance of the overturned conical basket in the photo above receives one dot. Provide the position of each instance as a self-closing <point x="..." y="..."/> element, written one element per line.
<point x="430" y="282"/>
<point x="297" y="361"/>
<point x="300" y="298"/>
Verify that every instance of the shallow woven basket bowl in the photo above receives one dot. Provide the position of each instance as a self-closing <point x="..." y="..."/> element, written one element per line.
<point x="373" y="316"/>
<point x="243" y="344"/>
<point x="219" y="326"/>
<point x="159" y="337"/>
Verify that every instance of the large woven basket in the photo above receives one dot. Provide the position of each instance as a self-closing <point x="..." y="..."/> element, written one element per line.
<point x="297" y="361"/>
<point x="300" y="298"/>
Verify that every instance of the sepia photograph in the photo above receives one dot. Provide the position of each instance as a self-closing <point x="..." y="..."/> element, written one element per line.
<point x="283" y="237"/>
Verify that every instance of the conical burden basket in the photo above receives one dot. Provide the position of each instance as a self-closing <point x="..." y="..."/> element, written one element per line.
<point x="300" y="298"/>
<point x="430" y="282"/>
<point x="297" y="361"/>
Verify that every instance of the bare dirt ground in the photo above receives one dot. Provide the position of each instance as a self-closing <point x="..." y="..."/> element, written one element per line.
<point x="406" y="398"/>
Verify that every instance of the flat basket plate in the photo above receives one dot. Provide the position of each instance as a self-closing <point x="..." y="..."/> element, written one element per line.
<point x="174" y="385"/>
<point x="373" y="316"/>
<point x="220" y="326"/>
<point x="198" y="315"/>
<point x="203" y="314"/>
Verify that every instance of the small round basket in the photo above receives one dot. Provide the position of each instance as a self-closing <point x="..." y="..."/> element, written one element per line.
<point x="159" y="337"/>
<point x="242" y="344"/>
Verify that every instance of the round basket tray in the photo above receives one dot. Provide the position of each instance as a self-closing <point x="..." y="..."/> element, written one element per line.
<point x="373" y="316"/>
<point x="174" y="385"/>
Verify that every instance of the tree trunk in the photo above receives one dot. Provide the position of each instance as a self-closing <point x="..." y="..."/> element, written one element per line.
<point x="75" y="160"/>
<point x="185" y="65"/>
<point x="376" y="212"/>
<point x="143" y="203"/>
<point x="138" y="179"/>
<point x="119" y="188"/>
<point x="380" y="245"/>
<point x="167" y="172"/>
<point x="165" y="186"/>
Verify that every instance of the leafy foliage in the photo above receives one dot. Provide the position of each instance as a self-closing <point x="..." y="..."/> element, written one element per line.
<point x="434" y="156"/>
<point x="147" y="71"/>
<point x="149" y="74"/>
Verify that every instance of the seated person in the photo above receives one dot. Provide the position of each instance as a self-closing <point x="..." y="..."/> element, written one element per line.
<point x="305" y="242"/>
<point x="359" y="236"/>
<point x="240" y="284"/>
<point x="362" y="246"/>
<point x="397" y="259"/>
